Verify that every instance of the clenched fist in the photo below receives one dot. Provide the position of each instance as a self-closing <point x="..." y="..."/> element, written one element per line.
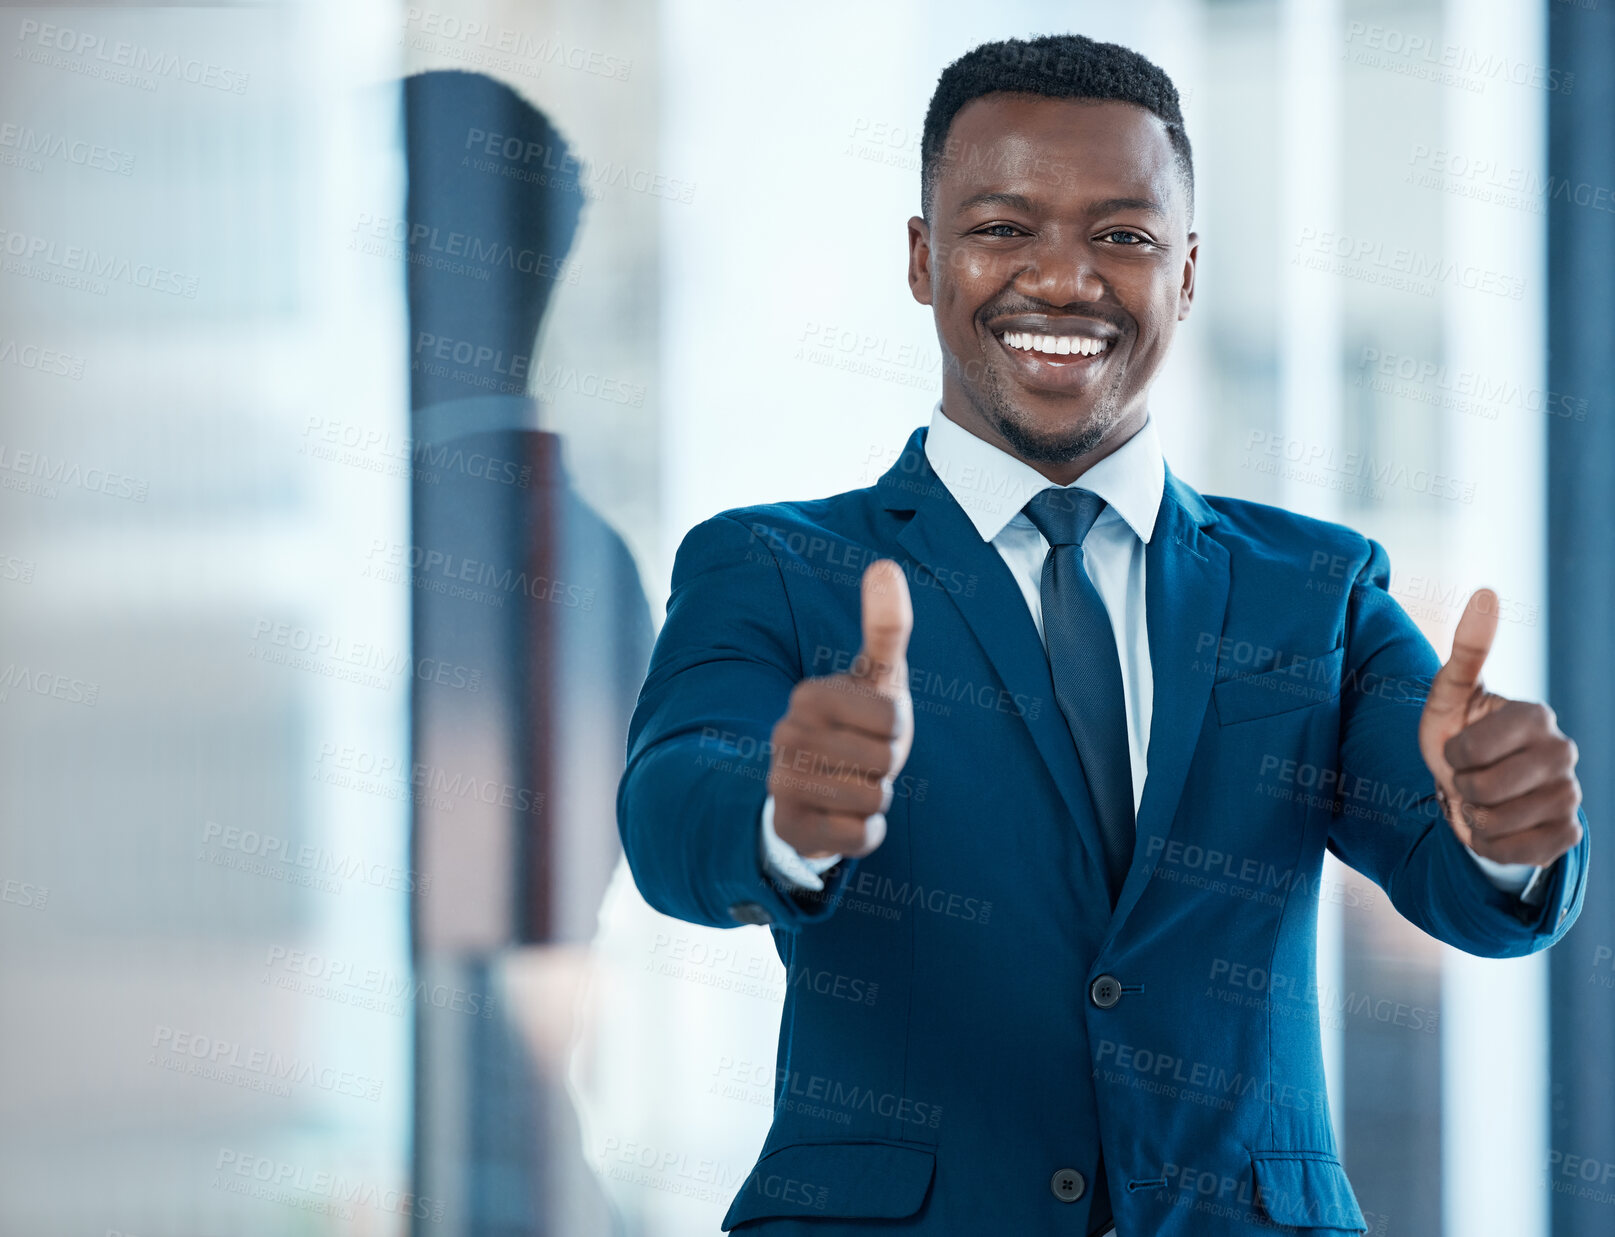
<point x="844" y="738"/>
<point x="1506" y="772"/>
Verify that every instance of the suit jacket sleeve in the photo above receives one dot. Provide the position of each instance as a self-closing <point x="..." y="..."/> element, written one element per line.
<point x="691" y="797"/>
<point x="1390" y="826"/>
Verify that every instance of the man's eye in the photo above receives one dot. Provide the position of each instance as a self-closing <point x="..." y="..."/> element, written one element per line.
<point x="998" y="229"/>
<point x="1128" y="238"/>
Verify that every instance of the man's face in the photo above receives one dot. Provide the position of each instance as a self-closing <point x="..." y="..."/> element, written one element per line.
<point x="1056" y="218"/>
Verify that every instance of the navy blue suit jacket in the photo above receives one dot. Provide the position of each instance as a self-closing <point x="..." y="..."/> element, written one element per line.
<point x="1006" y="1022"/>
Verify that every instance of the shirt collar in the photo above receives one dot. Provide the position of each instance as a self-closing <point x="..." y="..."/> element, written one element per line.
<point x="992" y="486"/>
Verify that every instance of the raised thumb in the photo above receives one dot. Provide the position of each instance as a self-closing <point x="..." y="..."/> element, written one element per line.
<point x="887" y="620"/>
<point x="1456" y="681"/>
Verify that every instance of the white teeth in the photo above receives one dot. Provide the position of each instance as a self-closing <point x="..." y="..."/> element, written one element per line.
<point x="1055" y="345"/>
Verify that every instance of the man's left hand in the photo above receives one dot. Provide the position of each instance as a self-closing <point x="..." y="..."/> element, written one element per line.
<point x="1506" y="772"/>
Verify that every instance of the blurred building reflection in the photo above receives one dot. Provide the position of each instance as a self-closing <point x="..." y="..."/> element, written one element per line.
<point x="517" y="578"/>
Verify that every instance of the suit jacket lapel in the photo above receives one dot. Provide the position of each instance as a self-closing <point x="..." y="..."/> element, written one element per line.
<point x="942" y="537"/>
<point x="1186" y="582"/>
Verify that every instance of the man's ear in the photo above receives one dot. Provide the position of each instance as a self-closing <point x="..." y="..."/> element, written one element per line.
<point x="1186" y="292"/>
<point x="919" y="259"/>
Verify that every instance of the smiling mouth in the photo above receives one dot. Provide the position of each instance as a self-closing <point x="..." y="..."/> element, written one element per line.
<point x="1058" y="356"/>
<point x="1053" y="347"/>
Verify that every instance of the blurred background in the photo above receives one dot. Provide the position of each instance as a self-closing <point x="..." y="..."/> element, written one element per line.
<point x="348" y="433"/>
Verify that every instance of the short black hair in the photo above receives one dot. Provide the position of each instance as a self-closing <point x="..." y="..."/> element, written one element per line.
<point x="1056" y="66"/>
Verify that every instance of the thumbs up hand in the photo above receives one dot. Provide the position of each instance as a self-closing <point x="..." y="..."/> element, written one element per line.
<point x="845" y="737"/>
<point x="1505" y="770"/>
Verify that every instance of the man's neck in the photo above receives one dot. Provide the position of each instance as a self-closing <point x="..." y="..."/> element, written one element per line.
<point x="1060" y="472"/>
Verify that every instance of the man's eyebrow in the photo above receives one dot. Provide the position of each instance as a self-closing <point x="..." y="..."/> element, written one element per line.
<point x="1012" y="200"/>
<point x="1110" y="205"/>
<point x="1016" y="201"/>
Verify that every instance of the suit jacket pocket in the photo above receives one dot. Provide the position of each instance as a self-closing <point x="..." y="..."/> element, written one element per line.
<point x="1306" y="1190"/>
<point x="845" y="1180"/>
<point x="1296" y="685"/>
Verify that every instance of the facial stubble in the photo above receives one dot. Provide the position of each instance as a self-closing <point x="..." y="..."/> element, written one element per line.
<point x="995" y="404"/>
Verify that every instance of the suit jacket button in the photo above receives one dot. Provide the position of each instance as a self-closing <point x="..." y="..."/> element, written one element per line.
<point x="749" y="912"/>
<point x="1068" y="1185"/>
<point x="1105" y="991"/>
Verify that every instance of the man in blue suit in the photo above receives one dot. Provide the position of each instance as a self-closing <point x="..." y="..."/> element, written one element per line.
<point x="1029" y="754"/>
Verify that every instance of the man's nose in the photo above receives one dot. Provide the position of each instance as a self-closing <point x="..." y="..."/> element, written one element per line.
<point x="1061" y="272"/>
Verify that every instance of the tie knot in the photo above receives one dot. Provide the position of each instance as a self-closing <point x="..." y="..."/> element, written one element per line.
<point x="1064" y="515"/>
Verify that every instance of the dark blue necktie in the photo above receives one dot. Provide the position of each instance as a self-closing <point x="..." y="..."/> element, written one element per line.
<point x="1086" y="669"/>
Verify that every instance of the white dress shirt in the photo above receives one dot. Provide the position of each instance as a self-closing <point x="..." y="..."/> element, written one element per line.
<point x="992" y="486"/>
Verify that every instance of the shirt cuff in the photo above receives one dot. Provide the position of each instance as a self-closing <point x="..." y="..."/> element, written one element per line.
<point x="1509" y="877"/>
<point x="784" y="862"/>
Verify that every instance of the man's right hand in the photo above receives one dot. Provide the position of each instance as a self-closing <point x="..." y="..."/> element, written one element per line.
<point x="844" y="738"/>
